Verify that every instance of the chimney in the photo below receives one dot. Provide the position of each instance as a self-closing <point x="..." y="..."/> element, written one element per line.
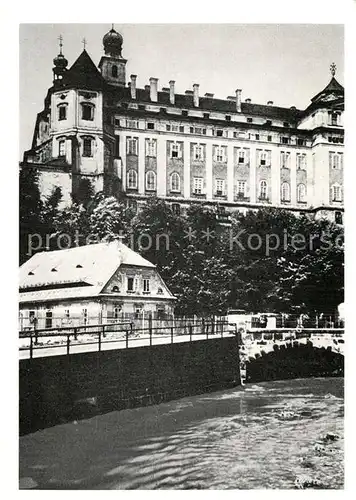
<point x="196" y="94"/>
<point x="209" y="95"/>
<point x="231" y="98"/>
<point x="238" y="100"/>
<point x="147" y="87"/>
<point x="133" y="86"/>
<point x="153" y="89"/>
<point x="171" y="91"/>
<point x="248" y="100"/>
<point x="269" y="103"/>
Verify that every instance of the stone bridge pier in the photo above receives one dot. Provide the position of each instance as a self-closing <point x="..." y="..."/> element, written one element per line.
<point x="290" y="353"/>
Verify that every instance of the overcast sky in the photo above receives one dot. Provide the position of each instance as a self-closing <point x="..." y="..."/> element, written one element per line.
<point x="286" y="63"/>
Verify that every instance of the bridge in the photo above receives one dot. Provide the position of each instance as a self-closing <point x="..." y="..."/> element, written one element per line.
<point x="261" y="346"/>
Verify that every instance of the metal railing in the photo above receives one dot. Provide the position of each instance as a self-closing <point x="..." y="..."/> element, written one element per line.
<point x="263" y="334"/>
<point x="68" y="340"/>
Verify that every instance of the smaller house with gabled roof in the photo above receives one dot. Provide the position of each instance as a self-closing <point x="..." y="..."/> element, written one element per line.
<point x="92" y="284"/>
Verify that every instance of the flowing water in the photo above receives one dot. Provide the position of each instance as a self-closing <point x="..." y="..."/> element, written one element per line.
<point x="270" y="435"/>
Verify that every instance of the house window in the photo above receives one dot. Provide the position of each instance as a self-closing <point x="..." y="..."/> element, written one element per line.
<point x="301" y="161"/>
<point x="257" y="137"/>
<point x="150" y="181"/>
<point x="285" y="124"/>
<point x="241" y="156"/>
<point x="228" y="118"/>
<point x="48" y="320"/>
<point x="131" y="123"/>
<point x="117" y="310"/>
<point x="338" y="217"/>
<point x="285" y="191"/>
<point x="181" y="129"/>
<point x="263" y="158"/>
<point x="168" y="127"/>
<point x="150" y="126"/>
<point x="114" y="71"/>
<point x="285" y="159"/>
<point x="219" y="154"/>
<point x="62" y="147"/>
<point x="87" y="112"/>
<point x="132" y="179"/>
<point x="206" y="115"/>
<point x="184" y="112"/>
<point x="176" y="208"/>
<point x="198" y="185"/>
<point x="249" y="120"/>
<point x="85" y="316"/>
<point x="336" y="160"/>
<point x="87" y="146"/>
<point x="285" y="140"/>
<point x="62" y="112"/>
<point x="130" y="284"/>
<point x="146" y="285"/>
<point x="301" y="193"/>
<point x="301" y="142"/>
<point x="334" y="118"/>
<point x="269" y="138"/>
<point x="175" y="150"/>
<point x="219" y="133"/>
<point x="219" y="187"/>
<point x="198" y="152"/>
<point x="151" y="147"/>
<point x="241" y="189"/>
<point x="175" y="182"/>
<point x="263" y="190"/>
<point x="67" y="313"/>
<point x="336" y="192"/>
<point x="269" y="122"/>
<point x="132" y="146"/>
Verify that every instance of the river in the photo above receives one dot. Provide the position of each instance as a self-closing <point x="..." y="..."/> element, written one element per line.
<point x="263" y="436"/>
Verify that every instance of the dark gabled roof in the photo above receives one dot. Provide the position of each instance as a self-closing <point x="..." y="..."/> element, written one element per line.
<point x="333" y="87"/>
<point x="83" y="73"/>
<point x="208" y="104"/>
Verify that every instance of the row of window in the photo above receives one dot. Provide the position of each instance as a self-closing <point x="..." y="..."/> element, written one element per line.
<point x="87" y="111"/>
<point x="220" y="186"/>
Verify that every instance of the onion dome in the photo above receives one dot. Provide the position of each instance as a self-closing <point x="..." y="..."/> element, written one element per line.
<point x="60" y="61"/>
<point x="112" y="42"/>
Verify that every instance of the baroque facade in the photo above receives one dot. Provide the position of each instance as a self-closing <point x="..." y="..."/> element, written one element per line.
<point x="230" y="153"/>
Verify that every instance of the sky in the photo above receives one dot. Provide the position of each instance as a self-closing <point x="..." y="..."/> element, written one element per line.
<point x="285" y="63"/>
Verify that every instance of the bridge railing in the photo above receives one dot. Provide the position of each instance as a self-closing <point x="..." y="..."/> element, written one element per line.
<point x="263" y="334"/>
<point x="121" y="335"/>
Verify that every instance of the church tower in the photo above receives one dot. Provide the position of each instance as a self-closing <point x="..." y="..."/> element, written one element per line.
<point x="113" y="65"/>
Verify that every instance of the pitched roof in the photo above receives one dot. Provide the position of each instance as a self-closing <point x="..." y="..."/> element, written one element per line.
<point x="79" y="271"/>
<point x="332" y="87"/>
<point x="83" y="73"/>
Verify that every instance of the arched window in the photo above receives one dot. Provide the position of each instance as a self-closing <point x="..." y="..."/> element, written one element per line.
<point x="150" y="181"/>
<point x="132" y="179"/>
<point x="114" y="71"/>
<point x="301" y="192"/>
<point x="87" y="111"/>
<point x="263" y="190"/>
<point x="336" y="192"/>
<point x="62" y="111"/>
<point x="175" y="182"/>
<point x="285" y="191"/>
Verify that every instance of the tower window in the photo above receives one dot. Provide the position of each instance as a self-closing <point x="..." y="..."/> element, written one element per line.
<point x="87" y="112"/>
<point x="175" y="182"/>
<point x="241" y="156"/>
<point x="150" y="181"/>
<point x="338" y="217"/>
<point x="62" y="148"/>
<point x="87" y="146"/>
<point x="151" y="147"/>
<point x="62" y="112"/>
<point x="132" y="146"/>
<point x="336" y="192"/>
<point x="132" y="179"/>
<point x="114" y="71"/>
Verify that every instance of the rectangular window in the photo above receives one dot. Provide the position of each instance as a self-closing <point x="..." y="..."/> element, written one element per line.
<point x="241" y="189"/>
<point x="117" y="147"/>
<point x="87" y="147"/>
<point x="301" y="142"/>
<point x="257" y="137"/>
<point x="285" y="124"/>
<point x="176" y="150"/>
<point x="220" y="154"/>
<point x="269" y="122"/>
<point x="174" y="128"/>
<point x="249" y="120"/>
<point x="301" y="161"/>
<point x="66" y="313"/>
<point x="130" y="284"/>
<point x="62" y="148"/>
<point x="62" y="112"/>
<point x="131" y="124"/>
<point x="219" y="187"/>
<point x="336" y="161"/>
<point x="263" y="158"/>
<point x="241" y="156"/>
<point x="181" y="129"/>
<point x="285" y="158"/>
<point x="48" y="321"/>
<point x="168" y="127"/>
<point x="228" y="118"/>
<point x="206" y="115"/>
<point x="285" y="140"/>
<point x="146" y="285"/>
<point x="334" y="118"/>
<point x="184" y="112"/>
<point x="150" y="126"/>
<point x="132" y="146"/>
<point x="198" y="185"/>
<point x="219" y="133"/>
<point x="88" y="112"/>
<point x="198" y="152"/>
<point x="151" y="147"/>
